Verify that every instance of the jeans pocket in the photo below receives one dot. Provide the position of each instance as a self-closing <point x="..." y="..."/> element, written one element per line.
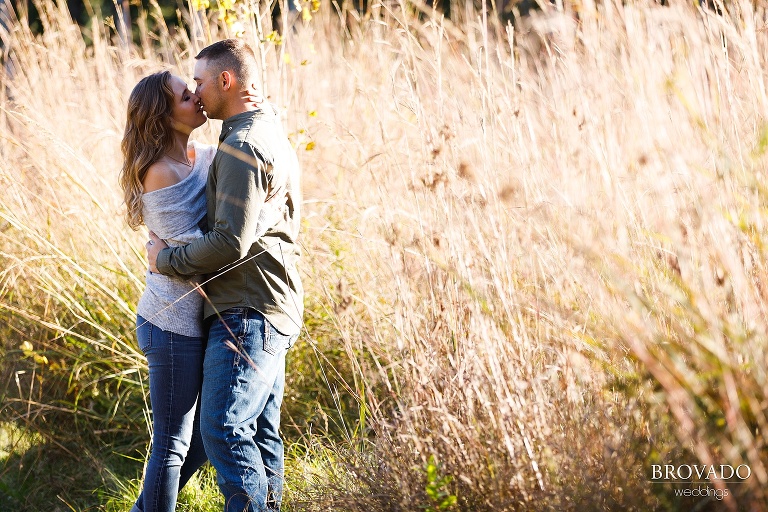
<point x="143" y="333"/>
<point x="270" y="346"/>
<point x="230" y="329"/>
<point x="274" y="340"/>
<point x="233" y="322"/>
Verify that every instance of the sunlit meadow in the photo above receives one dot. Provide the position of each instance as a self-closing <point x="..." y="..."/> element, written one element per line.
<point x="535" y="254"/>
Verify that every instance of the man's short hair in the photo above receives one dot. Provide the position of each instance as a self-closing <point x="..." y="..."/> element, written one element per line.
<point x="231" y="55"/>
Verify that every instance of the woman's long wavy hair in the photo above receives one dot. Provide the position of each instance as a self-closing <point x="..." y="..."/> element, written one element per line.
<point x="147" y="137"/>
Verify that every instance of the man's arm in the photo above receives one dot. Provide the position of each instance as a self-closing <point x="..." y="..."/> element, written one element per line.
<point x="241" y="188"/>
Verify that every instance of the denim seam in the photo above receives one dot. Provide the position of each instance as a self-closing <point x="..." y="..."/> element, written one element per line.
<point x="169" y="414"/>
<point x="268" y="345"/>
<point x="150" y="328"/>
<point x="234" y="445"/>
<point x="238" y="341"/>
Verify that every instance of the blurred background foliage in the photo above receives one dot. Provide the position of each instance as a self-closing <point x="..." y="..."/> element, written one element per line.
<point x="534" y="253"/>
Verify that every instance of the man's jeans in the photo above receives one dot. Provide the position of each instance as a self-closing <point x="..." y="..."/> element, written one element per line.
<point x="175" y="378"/>
<point x="243" y="382"/>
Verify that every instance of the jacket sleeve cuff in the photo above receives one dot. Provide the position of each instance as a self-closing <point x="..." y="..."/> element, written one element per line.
<point x="163" y="262"/>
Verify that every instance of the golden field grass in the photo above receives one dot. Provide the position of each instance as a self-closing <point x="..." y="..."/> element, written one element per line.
<point x="534" y="266"/>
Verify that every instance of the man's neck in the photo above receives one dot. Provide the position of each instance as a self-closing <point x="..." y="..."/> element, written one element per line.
<point x="237" y="107"/>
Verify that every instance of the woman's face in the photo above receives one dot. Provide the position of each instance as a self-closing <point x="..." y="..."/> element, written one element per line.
<point x="187" y="113"/>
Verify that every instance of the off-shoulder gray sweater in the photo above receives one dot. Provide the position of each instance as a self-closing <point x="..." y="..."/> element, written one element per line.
<point x="174" y="213"/>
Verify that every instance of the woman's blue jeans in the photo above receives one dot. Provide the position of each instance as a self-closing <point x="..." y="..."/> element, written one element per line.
<point x="244" y="378"/>
<point x="175" y="380"/>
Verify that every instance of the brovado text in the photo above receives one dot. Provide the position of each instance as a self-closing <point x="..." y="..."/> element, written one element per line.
<point x="669" y="472"/>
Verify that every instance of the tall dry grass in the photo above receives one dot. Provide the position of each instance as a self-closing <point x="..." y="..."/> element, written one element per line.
<point x="535" y="264"/>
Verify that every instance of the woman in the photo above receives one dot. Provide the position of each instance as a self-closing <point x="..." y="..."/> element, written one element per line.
<point x="163" y="180"/>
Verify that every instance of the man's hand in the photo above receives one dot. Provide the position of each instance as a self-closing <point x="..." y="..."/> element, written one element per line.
<point x="154" y="246"/>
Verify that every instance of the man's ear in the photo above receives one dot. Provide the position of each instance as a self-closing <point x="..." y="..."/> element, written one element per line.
<point x="226" y="79"/>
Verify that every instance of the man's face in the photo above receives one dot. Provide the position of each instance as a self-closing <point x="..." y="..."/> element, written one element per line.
<point x="209" y="90"/>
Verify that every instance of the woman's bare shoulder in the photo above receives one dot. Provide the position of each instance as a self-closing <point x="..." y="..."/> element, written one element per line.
<point x="160" y="175"/>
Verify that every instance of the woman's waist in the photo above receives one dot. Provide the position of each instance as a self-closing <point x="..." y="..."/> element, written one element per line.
<point x="159" y="284"/>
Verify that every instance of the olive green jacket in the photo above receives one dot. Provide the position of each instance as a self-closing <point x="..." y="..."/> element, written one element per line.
<point x="254" y="167"/>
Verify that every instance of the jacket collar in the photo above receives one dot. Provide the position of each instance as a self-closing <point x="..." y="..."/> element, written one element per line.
<point x="236" y="121"/>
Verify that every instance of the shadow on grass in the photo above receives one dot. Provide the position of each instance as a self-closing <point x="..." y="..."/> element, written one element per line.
<point x="37" y="475"/>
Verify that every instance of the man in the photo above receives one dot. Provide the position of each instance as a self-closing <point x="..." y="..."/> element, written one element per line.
<point x="256" y="298"/>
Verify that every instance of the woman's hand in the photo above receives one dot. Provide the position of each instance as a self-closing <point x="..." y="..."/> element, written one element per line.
<point x="154" y="246"/>
<point x="253" y="97"/>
